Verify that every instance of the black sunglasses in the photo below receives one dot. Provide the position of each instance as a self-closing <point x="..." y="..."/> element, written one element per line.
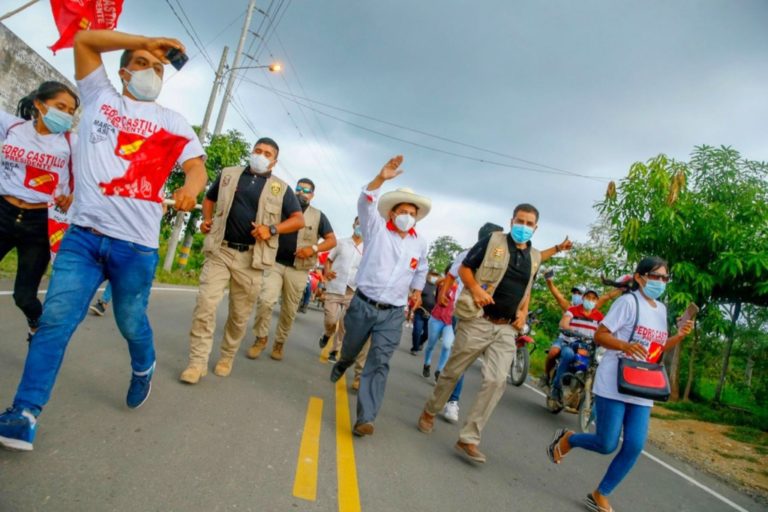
<point x="658" y="277"/>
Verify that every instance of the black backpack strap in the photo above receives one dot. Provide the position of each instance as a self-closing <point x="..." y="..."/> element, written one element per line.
<point x="637" y="317"/>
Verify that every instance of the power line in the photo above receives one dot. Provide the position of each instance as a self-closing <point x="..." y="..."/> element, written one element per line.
<point x="430" y="148"/>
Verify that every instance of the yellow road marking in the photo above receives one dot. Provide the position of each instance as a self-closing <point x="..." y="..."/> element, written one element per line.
<point x="305" y="482"/>
<point x="349" y="494"/>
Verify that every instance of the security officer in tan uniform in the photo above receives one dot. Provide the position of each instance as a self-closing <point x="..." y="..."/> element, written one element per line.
<point x="498" y="274"/>
<point x="244" y="212"/>
<point x="296" y="256"/>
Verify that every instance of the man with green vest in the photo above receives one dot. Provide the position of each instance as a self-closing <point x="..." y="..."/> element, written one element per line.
<point x="244" y="212"/>
<point x="498" y="274"/>
<point x="296" y="256"/>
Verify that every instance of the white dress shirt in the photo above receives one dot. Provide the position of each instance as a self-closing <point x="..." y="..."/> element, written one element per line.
<point x="346" y="258"/>
<point x="391" y="265"/>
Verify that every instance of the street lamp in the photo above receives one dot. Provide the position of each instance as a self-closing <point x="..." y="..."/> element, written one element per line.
<point x="275" y="67"/>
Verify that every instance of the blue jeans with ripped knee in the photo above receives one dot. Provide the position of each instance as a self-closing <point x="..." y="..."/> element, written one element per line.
<point x="83" y="262"/>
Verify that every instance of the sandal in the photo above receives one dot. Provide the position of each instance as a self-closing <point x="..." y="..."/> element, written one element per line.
<point x="592" y="505"/>
<point x="553" y="450"/>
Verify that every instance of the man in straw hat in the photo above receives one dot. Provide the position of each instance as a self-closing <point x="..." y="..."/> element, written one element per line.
<point x="393" y="267"/>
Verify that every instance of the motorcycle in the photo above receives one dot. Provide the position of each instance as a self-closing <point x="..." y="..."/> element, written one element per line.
<point x="576" y="384"/>
<point x="518" y="372"/>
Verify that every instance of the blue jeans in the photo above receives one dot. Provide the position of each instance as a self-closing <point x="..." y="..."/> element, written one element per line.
<point x="84" y="261"/>
<point x="106" y="297"/>
<point x="457" y="390"/>
<point x="436" y="328"/>
<point x="306" y="296"/>
<point x="612" y="415"/>
<point x="420" y="329"/>
<point x="567" y="355"/>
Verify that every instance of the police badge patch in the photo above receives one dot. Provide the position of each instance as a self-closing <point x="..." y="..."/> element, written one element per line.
<point x="226" y="181"/>
<point x="275" y="188"/>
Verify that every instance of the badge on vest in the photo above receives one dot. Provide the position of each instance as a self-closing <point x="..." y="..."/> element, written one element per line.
<point x="275" y="188"/>
<point x="498" y="253"/>
<point x="226" y="180"/>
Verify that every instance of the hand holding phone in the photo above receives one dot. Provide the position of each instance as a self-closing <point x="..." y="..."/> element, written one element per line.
<point x="689" y="314"/>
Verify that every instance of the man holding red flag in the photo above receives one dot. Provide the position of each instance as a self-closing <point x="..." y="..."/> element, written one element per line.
<point x="72" y="16"/>
<point x="126" y="148"/>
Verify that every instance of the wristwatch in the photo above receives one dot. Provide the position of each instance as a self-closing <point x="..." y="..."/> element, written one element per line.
<point x="272" y="230"/>
<point x="314" y="248"/>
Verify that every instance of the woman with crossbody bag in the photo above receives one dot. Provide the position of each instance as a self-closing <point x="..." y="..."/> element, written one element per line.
<point x="35" y="171"/>
<point x="634" y="329"/>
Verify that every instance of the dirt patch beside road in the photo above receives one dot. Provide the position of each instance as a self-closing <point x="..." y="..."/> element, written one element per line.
<point x="707" y="447"/>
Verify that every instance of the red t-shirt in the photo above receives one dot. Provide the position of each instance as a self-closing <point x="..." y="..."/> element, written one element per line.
<point x="582" y="322"/>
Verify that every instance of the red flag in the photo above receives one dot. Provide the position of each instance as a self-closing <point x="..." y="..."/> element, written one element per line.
<point x="57" y="226"/>
<point x="73" y="15"/>
<point x="151" y="162"/>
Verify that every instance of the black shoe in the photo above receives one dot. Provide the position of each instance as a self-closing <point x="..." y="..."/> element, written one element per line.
<point x="425" y="371"/>
<point x="337" y="372"/>
<point x="437" y="375"/>
<point x="415" y="352"/>
<point x="332" y="356"/>
<point x="302" y="308"/>
<point x="99" y="308"/>
<point x="324" y="341"/>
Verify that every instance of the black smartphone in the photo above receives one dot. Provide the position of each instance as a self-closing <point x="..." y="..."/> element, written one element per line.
<point x="177" y="58"/>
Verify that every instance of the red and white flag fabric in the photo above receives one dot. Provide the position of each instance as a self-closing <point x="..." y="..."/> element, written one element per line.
<point x="73" y="15"/>
<point x="57" y="226"/>
<point x="151" y="161"/>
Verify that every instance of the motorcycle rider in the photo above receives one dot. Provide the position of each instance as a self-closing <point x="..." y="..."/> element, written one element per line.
<point x="582" y="319"/>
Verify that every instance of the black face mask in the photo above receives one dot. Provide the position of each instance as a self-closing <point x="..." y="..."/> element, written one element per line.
<point x="303" y="201"/>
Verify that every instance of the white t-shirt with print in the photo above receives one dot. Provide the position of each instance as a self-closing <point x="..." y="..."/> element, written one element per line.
<point x="346" y="258"/>
<point x="32" y="166"/>
<point x="105" y="114"/>
<point x="651" y="328"/>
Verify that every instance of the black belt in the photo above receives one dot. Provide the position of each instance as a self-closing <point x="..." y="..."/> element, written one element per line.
<point x="499" y="320"/>
<point x="93" y="231"/>
<point x="238" y="247"/>
<point x="377" y="305"/>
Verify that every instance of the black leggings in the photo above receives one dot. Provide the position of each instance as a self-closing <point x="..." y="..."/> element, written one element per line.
<point x="27" y="231"/>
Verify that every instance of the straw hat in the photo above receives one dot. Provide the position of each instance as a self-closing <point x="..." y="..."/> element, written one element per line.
<point x="404" y="195"/>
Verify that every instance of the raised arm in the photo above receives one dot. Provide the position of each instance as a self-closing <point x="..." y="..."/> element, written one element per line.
<point x="565" y="245"/>
<point x="561" y="301"/>
<point x="90" y="44"/>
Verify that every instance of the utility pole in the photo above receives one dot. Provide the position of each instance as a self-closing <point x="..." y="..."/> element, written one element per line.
<point x="173" y="241"/>
<point x="235" y="64"/>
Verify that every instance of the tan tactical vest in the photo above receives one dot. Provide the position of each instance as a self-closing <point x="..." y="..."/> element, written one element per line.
<point x="490" y="274"/>
<point x="269" y="213"/>
<point x="307" y="237"/>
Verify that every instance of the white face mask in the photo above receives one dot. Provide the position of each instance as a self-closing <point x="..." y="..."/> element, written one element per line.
<point x="432" y="280"/>
<point x="259" y="164"/>
<point x="404" y="222"/>
<point x="144" y="85"/>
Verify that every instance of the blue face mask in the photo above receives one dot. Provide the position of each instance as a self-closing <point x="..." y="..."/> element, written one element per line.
<point x="654" y="289"/>
<point x="358" y="232"/>
<point x="588" y="305"/>
<point x="521" y="233"/>
<point x="56" y="120"/>
<point x="576" y="299"/>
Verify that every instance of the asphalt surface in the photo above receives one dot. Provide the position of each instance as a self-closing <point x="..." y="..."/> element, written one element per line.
<point x="232" y="444"/>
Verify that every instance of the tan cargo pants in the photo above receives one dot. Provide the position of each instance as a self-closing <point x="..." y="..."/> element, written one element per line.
<point x="498" y="346"/>
<point x="227" y="268"/>
<point x="334" y="307"/>
<point x="278" y="280"/>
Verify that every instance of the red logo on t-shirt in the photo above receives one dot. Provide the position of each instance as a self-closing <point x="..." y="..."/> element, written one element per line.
<point x="40" y="180"/>
<point x="414" y="263"/>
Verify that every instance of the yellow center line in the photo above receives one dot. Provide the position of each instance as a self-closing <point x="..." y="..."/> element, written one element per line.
<point x="305" y="481"/>
<point x="349" y="494"/>
<point x="327" y="349"/>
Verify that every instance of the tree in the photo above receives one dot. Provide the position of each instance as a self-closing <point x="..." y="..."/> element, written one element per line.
<point x="221" y="151"/>
<point x="708" y="218"/>
<point x="442" y="253"/>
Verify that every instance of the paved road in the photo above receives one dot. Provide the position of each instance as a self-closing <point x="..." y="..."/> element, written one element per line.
<point x="233" y="444"/>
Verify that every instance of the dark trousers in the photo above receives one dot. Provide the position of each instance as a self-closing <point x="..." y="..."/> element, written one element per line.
<point x="384" y="327"/>
<point x="27" y="232"/>
<point x="420" y="329"/>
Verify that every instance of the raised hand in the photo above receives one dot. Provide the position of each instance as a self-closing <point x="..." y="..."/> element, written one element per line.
<point x="392" y="168"/>
<point x="159" y="46"/>
<point x="565" y="245"/>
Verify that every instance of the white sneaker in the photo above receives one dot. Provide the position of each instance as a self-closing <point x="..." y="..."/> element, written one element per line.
<point x="451" y="412"/>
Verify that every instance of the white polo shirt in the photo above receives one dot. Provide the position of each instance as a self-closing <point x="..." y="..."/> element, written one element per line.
<point x="346" y="258"/>
<point x="391" y="266"/>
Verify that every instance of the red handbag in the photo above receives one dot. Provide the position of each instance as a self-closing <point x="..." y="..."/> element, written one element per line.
<point x="641" y="378"/>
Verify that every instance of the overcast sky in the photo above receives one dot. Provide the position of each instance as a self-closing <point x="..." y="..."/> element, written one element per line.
<point x="588" y="87"/>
